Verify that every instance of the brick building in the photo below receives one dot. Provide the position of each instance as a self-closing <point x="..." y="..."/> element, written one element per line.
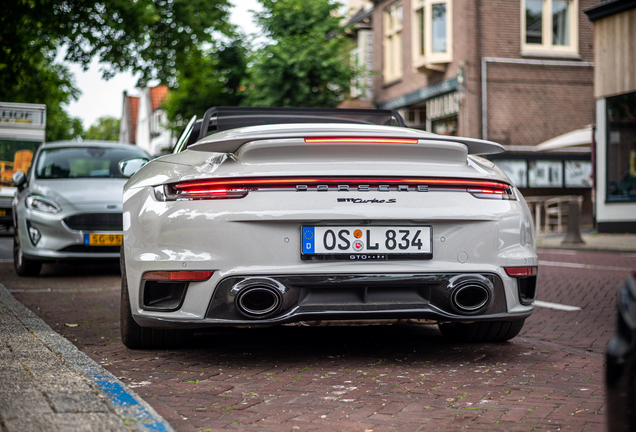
<point x="518" y="72"/>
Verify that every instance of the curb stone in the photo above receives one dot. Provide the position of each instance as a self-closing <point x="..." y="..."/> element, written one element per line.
<point x="136" y="414"/>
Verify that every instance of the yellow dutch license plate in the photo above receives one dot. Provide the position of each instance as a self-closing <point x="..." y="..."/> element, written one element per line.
<point x="3" y="212"/>
<point x="102" y="239"/>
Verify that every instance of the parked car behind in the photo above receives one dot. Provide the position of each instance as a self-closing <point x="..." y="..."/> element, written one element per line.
<point x="621" y="363"/>
<point x="69" y="204"/>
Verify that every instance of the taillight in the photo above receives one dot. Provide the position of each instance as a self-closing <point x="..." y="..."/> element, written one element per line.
<point x="521" y="271"/>
<point x="492" y="193"/>
<point x="224" y="188"/>
<point x="180" y="276"/>
<point x="198" y="191"/>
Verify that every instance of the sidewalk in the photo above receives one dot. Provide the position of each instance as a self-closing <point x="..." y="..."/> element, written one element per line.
<point x="594" y="241"/>
<point x="47" y="384"/>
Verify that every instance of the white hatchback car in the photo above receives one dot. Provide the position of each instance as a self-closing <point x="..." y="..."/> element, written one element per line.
<point x="281" y="216"/>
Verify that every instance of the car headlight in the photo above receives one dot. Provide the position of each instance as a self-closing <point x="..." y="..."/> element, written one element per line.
<point x="43" y="204"/>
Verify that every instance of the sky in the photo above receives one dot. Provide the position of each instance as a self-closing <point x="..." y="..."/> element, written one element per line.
<point x="105" y="98"/>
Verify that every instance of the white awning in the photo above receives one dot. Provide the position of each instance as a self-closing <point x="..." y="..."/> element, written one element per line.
<point x="575" y="138"/>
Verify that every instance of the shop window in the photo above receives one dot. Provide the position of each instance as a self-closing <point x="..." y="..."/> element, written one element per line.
<point x="445" y="126"/>
<point x="578" y="174"/>
<point x="441" y="114"/>
<point x="545" y="173"/>
<point x="517" y="170"/>
<point x="550" y="26"/>
<point x="432" y="34"/>
<point x="392" y="41"/>
<point x="621" y="148"/>
<point x="414" y="117"/>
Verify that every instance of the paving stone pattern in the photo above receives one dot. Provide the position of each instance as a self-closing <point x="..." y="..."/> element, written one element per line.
<point x="389" y="378"/>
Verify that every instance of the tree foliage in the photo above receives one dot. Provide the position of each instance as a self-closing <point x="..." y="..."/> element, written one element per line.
<point x="104" y="129"/>
<point x="207" y="78"/>
<point x="149" y="37"/>
<point x="307" y="62"/>
<point x="52" y="85"/>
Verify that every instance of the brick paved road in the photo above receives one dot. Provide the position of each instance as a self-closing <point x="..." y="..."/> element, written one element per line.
<point x="389" y="378"/>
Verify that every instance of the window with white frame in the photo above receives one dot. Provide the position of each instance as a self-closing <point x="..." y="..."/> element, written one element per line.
<point x="392" y="41"/>
<point x="432" y="33"/>
<point x="550" y="26"/>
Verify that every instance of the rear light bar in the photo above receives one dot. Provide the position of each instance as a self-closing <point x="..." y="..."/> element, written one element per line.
<point x="224" y="188"/>
<point x="521" y="271"/>
<point x="180" y="276"/>
<point x="363" y="140"/>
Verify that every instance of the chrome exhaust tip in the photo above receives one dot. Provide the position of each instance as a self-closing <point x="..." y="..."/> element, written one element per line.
<point x="470" y="294"/>
<point x="471" y="297"/>
<point x="258" y="301"/>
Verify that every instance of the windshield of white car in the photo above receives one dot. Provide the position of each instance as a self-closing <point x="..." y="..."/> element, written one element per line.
<point x="83" y="162"/>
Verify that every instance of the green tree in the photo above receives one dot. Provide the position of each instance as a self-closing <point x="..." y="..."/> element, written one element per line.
<point x="307" y="62"/>
<point x="104" y="129"/>
<point x="207" y="78"/>
<point x="54" y="86"/>
<point x="149" y="37"/>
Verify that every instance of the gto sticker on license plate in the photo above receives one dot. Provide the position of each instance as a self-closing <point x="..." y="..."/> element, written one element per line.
<point x="102" y="239"/>
<point x="367" y="242"/>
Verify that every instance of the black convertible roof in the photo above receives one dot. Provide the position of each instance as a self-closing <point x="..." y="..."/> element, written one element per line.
<point x="219" y="119"/>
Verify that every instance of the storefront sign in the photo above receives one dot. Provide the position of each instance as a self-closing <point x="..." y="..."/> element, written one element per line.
<point x="420" y="95"/>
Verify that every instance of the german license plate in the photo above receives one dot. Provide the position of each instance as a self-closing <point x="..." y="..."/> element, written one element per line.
<point x="102" y="239"/>
<point x="367" y="242"/>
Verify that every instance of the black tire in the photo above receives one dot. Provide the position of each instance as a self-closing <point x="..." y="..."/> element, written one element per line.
<point x="135" y="336"/>
<point x="24" y="266"/>
<point x="482" y="331"/>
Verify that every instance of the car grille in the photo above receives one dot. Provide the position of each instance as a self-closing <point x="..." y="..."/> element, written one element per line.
<point x="95" y="222"/>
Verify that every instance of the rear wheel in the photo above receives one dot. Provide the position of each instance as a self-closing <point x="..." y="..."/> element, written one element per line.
<point x="482" y="331"/>
<point x="135" y="336"/>
<point x="24" y="266"/>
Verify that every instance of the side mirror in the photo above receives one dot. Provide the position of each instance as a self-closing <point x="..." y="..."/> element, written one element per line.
<point x="19" y="179"/>
<point x="128" y="167"/>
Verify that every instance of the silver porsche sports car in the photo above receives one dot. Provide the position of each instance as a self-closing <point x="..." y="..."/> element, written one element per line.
<point x="305" y="216"/>
<point x="68" y="205"/>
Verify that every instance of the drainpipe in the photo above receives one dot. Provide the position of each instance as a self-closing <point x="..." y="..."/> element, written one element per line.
<point x="484" y="80"/>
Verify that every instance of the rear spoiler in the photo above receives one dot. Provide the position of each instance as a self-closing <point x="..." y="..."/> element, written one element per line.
<point x="230" y="141"/>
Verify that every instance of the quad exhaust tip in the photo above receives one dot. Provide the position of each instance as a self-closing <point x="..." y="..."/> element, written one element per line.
<point x="258" y="301"/>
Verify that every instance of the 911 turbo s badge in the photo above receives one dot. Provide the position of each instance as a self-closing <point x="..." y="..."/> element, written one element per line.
<point x="367" y="201"/>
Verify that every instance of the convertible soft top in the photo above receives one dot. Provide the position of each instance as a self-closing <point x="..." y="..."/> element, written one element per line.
<point x="218" y="119"/>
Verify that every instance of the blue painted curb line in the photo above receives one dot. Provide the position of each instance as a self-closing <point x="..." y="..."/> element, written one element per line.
<point x="136" y="413"/>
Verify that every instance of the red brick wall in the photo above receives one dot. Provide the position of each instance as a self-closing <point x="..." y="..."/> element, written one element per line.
<point x="530" y="104"/>
<point x="526" y="104"/>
